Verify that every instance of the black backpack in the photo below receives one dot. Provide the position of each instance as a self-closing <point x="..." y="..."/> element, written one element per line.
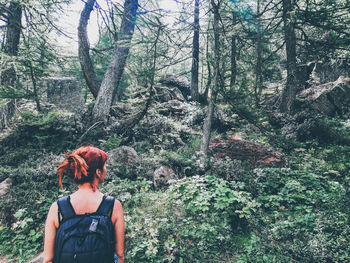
<point x="88" y="238"/>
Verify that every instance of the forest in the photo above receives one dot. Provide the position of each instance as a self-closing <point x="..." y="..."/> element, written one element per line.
<point x="226" y="124"/>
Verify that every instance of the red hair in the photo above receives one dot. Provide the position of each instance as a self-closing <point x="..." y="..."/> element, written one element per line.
<point x="81" y="165"/>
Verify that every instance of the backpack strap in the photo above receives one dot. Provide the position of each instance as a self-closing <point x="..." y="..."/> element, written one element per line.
<point x="65" y="209"/>
<point x="106" y="206"/>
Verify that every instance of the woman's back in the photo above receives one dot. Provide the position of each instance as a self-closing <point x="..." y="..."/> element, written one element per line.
<point x="85" y="201"/>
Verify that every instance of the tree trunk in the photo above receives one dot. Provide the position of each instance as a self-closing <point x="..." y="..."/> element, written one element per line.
<point x="216" y="79"/>
<point x="109" y="87"/>
<point x="9" y="76"/>
<point x="290" y="90"/>
<point x="13" y="29"/>
<point x="233" y="61"/>
<point x="258" y="65"/>
<point x="84" y="48"/>
<point x="195" y="54"/>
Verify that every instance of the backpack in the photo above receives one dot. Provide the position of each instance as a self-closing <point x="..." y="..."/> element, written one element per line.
<point x="88" y="238"/>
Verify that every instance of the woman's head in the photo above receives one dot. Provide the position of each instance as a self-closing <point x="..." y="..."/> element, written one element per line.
<point x="83" y="164"/>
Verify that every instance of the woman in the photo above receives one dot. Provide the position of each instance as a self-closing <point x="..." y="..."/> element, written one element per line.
<point x="86" y="166"/>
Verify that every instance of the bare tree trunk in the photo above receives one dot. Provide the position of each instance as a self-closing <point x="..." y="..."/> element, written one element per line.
<point x="14" y="26"/>
<point x="84" y="48"/>
<point x="209" y="118"/>
<point x="258" y="65"/>
<point x="290" y="90"/>
<point x="109" y="87"/>
<point x="203" y="98"/>
<point x="195" y="54"/>
<point x="9" y="76"/>
<point x="13" y="29"/>
<point x="233" y="54"/>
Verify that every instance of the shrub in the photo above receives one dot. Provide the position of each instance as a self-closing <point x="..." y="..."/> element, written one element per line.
<point x="195" y="220"/>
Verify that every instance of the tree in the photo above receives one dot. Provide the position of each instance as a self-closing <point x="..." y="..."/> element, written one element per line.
<point x="195" y="54"/>
<point x="233" y="75"/>
<point x="13" y="14"/>
<point x="84" y="49"/>
<point x="109" y="87"/>
<point x="290" y="89"/>
<point x="216" y="79"/>
<point x="258" y="65"/>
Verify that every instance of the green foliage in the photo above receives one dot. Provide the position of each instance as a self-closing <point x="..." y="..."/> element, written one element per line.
<point x="195" y="220"/>
<point x="329" y="131"/>
<point x="54" y="132"/>
<point x="113" y="142"/>
<point x="24" y="210"/>
<point x="294" y="219"/>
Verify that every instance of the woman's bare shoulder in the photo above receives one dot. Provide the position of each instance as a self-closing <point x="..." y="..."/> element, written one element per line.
<point x="52" y="216"/>
<point x="117" y="211"/>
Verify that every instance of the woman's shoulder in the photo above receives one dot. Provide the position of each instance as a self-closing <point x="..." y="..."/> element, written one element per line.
<point x="117" y="211"/>
<point x="52" y="215"/>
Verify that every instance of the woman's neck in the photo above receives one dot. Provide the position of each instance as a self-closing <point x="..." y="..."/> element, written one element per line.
<point x="87" y="187"/>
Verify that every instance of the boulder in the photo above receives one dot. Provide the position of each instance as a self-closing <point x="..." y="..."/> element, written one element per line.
<point x="328" y="99"/>
<point x="162" y="175"/>
<point x="164" y="93"/>
<point x="175" y="108"/>
<point x="4" y="186"/>
<point x="122" y="155"/>
<point x="64" y="92"/>
<point x="39" y="258"/>
<point x="315" y="73"/>
<point x="191" y="114"/>
<point x="180" y="82"/>
<point x="236" y="148"/>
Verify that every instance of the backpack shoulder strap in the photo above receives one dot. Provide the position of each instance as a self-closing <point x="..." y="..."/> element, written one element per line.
<point x="106" y="206"/>
<point x="65" y="209"/>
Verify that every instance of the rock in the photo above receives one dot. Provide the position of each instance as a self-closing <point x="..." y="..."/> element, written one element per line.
<point x="328" y="99"/>
<point x="191" y="114"/>
<point x="39" y="258"/>
<point x="122" y="155"/>
<point x="4" y="186"/>
<point x="236" y="148"/>
<point x="164" y="94"/>
<point x="330" y="71"/>
<point x="179" y="82"/>
<point x="64" y="92"/>
<point x="315" y="73"/>
<point x="162" y="175"/>
<point x="174" y="108"/>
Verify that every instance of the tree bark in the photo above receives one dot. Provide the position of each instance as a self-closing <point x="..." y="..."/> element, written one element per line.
<point x="233" y="76"/>
<point x="11" y="47"/>
<point x="290" y="90"/>
<point x="258" y="65"/>
<point x="195" y="54"/>
<point x="13" y="29"/>
<point x="109" y="87"/>
<point x="216" y="79"/>
<point x="14" y="26"/>
<point x="84" y="48"/>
